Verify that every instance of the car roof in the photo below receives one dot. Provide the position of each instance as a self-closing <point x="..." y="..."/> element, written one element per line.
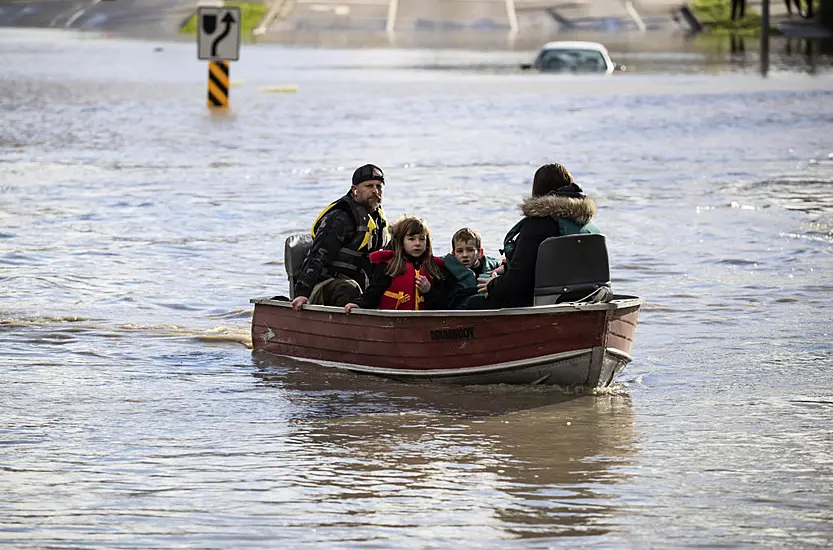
<point x="574" y="45"/>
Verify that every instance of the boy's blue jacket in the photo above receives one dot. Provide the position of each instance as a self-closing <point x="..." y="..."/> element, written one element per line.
<point x="466" y="278"/>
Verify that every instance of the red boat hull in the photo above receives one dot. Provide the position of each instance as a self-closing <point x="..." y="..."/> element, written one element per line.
<point x="565" y="344"/>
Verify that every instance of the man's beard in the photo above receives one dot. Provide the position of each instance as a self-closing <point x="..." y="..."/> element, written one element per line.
<point x="371" y="203"/>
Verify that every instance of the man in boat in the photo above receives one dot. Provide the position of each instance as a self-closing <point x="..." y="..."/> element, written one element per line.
<point x="558" y="207"/>
<point x="336" y="269"/>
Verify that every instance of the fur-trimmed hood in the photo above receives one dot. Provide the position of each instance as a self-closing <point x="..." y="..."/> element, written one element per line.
<point x="580" y="211"/>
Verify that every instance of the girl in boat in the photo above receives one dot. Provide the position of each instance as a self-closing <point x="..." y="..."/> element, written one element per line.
<point x="408" y="276"/>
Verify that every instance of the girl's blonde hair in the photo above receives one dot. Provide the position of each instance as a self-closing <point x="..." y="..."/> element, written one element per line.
<point x="403" y="227"/>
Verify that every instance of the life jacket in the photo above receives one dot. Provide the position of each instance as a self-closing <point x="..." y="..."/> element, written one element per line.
<point x="565" y="227"/>
<point x="369" y="236"/>
<point x="402" y="294"/>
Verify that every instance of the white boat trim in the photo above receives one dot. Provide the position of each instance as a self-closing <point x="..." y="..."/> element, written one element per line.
<point x="619" y="353"/>
<point x="435" y="373"/>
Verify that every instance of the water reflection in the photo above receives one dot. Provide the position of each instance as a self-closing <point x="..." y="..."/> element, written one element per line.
<point x="526" y="462"/>
<point x="803" y="51"/>
<point x="785" y="53"/>
<point x="737" y="45"/>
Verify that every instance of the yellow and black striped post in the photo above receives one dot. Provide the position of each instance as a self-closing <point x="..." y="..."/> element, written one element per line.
<point x="218" y="84"/>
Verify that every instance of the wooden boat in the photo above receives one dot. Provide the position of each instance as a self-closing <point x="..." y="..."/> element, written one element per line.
<point x="569" y="344"/>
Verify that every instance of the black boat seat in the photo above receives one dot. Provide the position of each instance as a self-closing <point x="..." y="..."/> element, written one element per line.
<point x="295" y="251"/>
<point x="572" y="268"/>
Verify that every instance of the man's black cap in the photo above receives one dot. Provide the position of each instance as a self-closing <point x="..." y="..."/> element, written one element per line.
<point x="368" y="172"/>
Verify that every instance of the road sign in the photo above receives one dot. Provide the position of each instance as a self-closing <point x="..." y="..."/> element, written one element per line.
<point x="218" y="34"/>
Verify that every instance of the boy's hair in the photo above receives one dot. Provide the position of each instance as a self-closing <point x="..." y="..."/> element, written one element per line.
<point x="467" y="234"/>
<point x="411" y="225"/>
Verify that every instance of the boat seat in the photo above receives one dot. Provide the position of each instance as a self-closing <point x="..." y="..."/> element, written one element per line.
<point x="294" y="252"/>
<point x="572" y="268"/>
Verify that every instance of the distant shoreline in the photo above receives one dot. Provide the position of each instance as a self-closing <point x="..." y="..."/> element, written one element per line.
<point x="162" y="20"/>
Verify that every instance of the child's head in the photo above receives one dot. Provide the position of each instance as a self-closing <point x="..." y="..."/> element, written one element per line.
<point x="411" y="235"/>
<point x="467" y="246"/>
<point x="411" y="239"/>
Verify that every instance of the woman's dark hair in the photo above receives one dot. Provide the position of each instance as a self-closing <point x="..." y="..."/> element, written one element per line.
<point x="550" y="177"/>
<point x="411" y="225"/>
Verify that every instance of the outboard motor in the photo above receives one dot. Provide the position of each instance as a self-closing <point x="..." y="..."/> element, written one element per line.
<point x="295" y="251"/>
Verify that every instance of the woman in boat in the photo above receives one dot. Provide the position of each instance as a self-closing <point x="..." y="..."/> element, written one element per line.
<point x="408" y="276"/>
<point x="558" y="206"/>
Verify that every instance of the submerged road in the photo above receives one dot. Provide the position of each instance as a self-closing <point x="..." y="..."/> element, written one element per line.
<point x="135" y="226"/>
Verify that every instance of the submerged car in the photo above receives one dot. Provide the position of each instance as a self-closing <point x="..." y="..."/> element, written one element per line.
<point x="574" y="57"/>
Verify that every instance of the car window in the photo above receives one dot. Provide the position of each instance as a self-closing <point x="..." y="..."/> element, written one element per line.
<point x="571" y="60"/>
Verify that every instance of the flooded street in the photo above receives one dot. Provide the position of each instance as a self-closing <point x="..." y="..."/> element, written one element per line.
<point x="135" y="226"/>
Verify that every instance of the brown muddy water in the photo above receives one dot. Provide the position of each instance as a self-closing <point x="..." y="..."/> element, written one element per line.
<point x="135" y="226"/>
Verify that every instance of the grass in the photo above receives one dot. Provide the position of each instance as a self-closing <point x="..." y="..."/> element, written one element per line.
<point x="716" y="15"/>
<point x="250" y="13"/>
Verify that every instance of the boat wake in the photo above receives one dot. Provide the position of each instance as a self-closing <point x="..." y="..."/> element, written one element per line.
<point x="65" y="327"/>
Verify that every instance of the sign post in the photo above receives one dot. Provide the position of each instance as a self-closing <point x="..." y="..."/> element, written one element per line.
<point x="764" y="37"/>
<point x="218" y="42"/>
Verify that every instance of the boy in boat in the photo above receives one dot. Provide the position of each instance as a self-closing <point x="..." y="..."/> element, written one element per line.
<point x="407" y="276"/>
<point x="466" y="262"/>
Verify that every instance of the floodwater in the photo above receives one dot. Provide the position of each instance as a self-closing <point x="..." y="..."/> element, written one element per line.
<point x="135" y="226"/>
